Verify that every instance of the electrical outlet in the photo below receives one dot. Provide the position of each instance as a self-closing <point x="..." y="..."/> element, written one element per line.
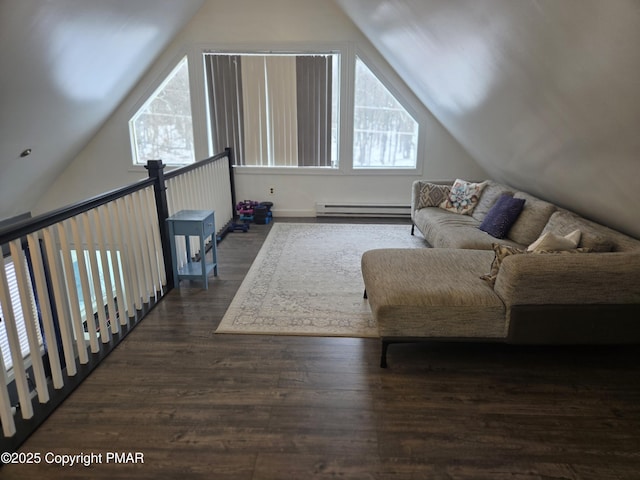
<point x="271" y="190"/>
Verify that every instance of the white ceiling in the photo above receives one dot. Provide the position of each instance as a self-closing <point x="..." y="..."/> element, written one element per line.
<point x="65" y="65"/>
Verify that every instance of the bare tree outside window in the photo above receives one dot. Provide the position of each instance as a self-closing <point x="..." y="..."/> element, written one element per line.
<point x="162" y="129"/>
<point x="385" y="135"/>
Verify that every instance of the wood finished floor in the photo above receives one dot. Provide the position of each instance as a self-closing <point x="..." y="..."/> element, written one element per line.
<point x="200" y="405"/>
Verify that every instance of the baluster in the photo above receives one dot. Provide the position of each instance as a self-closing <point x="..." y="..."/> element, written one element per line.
<point x="130" y="282"/>
<point x="98" y="294"/>
<point x="14" y="344"/>
<point x="106" y="271"/>
<point x="146" y="242"/>
<point x="140" y="244"/>
<point x="6" y="412"/>
<point x="30" y="320"/>
<point x="86" y="289"/>
<point x="182" y="202"/>
<point x="155" y="246"/>
<point x="62" y="305"/>
<point x="110" y="215"/>
<point x="72" y="292"/>
<point x="45" y="310"/>
<point x="135" y="262"/>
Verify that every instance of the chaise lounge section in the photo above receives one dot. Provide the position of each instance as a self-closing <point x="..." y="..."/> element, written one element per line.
<point x="587" y="295"/>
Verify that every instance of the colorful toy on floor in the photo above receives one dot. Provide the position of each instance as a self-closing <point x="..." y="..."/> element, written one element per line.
<point x="250" y="211"/>
<point x="245" y="210"/>
<point x="262" y="213"/>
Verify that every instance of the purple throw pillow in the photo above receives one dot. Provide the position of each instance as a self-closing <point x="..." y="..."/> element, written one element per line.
<point x="502" y="216"/>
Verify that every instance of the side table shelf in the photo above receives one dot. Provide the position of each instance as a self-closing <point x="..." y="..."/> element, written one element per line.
<point x="193" y="223"/>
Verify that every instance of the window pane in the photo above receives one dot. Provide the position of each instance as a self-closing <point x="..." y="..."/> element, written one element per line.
<point x="384" y="134"/>
<point x="276" y="110"/>
<point x="162" y="128"/>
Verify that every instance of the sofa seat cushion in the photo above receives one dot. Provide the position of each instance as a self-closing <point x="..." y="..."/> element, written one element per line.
<point x="433" y="293"/>
<point x="443" y="229"/>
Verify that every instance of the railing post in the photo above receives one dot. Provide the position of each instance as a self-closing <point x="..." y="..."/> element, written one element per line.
<point x="156" y="171"/>
<point x="229" y="153"/>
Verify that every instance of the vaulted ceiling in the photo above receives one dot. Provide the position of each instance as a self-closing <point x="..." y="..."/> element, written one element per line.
<point x="544" y="94"/>
<point x="65" y="66"/>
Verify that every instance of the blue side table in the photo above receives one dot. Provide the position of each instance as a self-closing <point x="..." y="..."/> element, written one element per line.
<point x="194" y="223"/>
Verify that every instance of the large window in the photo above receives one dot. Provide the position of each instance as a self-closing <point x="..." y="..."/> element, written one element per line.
<point x="275" y="110"/>
<point x="162" y="128"/>
<point x="385" y="135"/>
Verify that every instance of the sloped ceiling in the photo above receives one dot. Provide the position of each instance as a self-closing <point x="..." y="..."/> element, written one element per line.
<point x="544" y="94"/>
<point x="65" y="65"/>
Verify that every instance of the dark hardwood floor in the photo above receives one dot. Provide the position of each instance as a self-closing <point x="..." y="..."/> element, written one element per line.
<point x="201" y="405"/>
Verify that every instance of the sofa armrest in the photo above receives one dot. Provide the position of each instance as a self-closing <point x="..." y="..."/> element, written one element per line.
<point x="415" y="195"/>
<point x="570" y="278"/>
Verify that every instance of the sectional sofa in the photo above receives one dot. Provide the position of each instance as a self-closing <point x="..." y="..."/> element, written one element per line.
<point x="472" y="286"/>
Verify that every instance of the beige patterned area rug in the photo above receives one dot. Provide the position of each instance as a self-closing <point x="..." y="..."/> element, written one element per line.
<point x="306" y="280"/>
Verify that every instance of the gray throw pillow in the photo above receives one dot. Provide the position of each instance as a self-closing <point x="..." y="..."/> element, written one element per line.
<point x="432" y="194"/>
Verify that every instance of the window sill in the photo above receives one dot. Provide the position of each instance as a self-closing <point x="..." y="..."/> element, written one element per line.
<point x="408" y="172"/>
<point x="248" y="170"/>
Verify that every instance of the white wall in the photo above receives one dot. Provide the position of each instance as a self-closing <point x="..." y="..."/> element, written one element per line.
<point x="105" y="163"/>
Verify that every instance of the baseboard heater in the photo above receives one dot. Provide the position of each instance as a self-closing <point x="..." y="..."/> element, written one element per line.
<point x="361" y="210"/>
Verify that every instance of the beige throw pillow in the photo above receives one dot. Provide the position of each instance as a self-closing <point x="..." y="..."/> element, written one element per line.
<point x="551" y="241"/>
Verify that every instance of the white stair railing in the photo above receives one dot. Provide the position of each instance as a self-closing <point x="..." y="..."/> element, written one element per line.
<point x="75" y="281"/>
<point x="206" y="187"/>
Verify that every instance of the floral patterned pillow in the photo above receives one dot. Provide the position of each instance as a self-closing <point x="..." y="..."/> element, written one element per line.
<point x="463" y="197"/>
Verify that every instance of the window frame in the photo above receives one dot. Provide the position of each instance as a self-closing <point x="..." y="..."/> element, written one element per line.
<point x="150" y="95"/>
<point x="348" y="51"/>
<point x="404" y="97"/>
<point x="303" y="49"/>
<point x="396" y="113"/>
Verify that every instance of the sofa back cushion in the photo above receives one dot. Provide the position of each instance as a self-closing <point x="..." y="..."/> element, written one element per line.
<point x="492" y="191"/>
<point x="569" y="278"/>
<point x="594" y="236"/>
<point x="533" y="218"/>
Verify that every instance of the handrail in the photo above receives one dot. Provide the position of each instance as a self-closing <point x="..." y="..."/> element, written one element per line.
<point x="187" y="168"/>
<point x="20" y="229"/>
<point x="24" y="227"/>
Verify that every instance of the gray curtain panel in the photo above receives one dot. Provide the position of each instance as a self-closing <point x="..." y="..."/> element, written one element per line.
<point x="313" y="82"/>
<point x="314" y="94"/>
<point x="224" y="85"/>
